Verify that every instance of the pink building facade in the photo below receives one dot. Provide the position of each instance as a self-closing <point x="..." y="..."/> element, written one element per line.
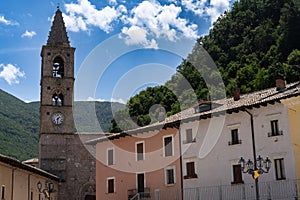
<point x="143" y="162"/>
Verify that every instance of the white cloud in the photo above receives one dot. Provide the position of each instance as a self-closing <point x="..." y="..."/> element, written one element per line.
<point x="11" y="73"/>
<point x="94" y="99"/>
<point x="28" y="34"/>
<point x="82" y="15"/>
<point x="118" y="100"/>
<point x="136" y="35"/>
<point x="142" y="25"/>
<point x="152" y="20"/>
<point x="209" y="8"/>
<point x="112" y="2"/>
<point x="103" y="100"/>
<point x="7" y="22"/>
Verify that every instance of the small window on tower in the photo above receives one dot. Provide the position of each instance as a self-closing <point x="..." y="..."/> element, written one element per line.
<point x="57" y="99"/>
<point x="58" y="68"/>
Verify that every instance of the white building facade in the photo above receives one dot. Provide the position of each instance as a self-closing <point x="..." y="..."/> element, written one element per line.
<point x="213" y="144"/>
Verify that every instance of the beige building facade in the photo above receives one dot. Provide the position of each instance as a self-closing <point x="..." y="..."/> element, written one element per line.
<point x="22" y="181"/>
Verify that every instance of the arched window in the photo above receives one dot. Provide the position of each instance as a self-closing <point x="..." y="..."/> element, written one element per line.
<point x="58" y="67"/>
<point x="57" y="99"/>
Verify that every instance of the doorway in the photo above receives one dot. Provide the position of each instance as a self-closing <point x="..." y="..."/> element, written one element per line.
<point x="141" y="182"/>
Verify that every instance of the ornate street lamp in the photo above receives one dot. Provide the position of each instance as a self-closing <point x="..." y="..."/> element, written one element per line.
<point x="49" y="188"/>
<point x="255" y="169"/>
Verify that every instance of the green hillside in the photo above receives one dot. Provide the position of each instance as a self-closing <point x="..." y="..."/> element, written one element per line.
<point x="19" y="123"/>
<point x="19" y="127"/>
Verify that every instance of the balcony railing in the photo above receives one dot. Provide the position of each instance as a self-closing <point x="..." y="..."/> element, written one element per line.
<point x="143" y="193"/>
<point x="276" y="133"/>
<point x="235" y="142"/>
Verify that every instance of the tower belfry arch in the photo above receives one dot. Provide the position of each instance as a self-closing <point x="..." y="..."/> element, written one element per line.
<point x="62" y="151"/>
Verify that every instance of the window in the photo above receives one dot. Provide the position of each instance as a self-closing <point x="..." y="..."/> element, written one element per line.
<point x="58" y="68"/>
<point x="57" y="99"/>
<point x="189" y="136"/>
<point x="237" y="174"/>
<point x="110" y="185"/>
<point x="274" y="129"/>
<point x="234" y="137"/>
<point x="190" y="171"/>
<point x="110" y="156"/>
<point x="140" y="151"/>
<point x="279" y="169"/>
<point x="170" y="175"/>
<point x="2" y="192"/>
<point x="168" y="146"/>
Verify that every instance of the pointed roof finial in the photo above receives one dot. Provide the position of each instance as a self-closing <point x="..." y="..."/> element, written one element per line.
<point x="58" y="4"/>
<point x="58" y="33"/>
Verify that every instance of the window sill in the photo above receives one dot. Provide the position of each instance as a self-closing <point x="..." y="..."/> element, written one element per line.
<point x="237" y="183"/>
<point x="279" y="133"/>
<point x="281" y="179"/>
<point x="189" y="142"/>
<point x="230" y="143"/>
<point x="190" y="176"/>
<point x="170" y="185"/>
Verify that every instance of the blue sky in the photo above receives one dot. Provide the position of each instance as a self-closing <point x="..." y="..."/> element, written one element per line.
<point x="121" y="46"/>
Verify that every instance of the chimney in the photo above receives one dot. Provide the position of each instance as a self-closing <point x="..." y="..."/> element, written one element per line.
<point x="236" y="94"/>
<point x="280" y="82"/>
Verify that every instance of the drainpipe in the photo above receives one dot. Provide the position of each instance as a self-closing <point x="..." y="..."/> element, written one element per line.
<point x="29" y="192"/>
<point x="12" y="183"/>
<point x="254" y="153"/>
<point x="181" y="173"/>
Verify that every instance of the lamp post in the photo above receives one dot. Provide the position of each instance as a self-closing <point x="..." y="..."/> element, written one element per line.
<point x="262" y="166"/>
<point x="49" y="188"/>
<point x="256" y="167"/>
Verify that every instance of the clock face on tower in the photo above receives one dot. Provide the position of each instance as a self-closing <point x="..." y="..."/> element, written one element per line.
<point x="57" y="118"/>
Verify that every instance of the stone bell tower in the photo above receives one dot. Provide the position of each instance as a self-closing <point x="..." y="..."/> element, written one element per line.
<point x="61" y="149"/>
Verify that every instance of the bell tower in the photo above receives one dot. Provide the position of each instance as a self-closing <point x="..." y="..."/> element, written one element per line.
<point x="57" y="81"/>
<point x="62" y="150"/>
<point x="56" y="102"/>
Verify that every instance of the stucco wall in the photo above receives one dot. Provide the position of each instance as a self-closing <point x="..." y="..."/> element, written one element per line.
<point x="293" y="105"/>
<point x="21" y="184"/>
<point x="126" y="167"/>
<point x="214" y="157"/>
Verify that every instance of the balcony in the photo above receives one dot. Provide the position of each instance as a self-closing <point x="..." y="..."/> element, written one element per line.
<point x="234" y="142"/>
<point x="190" y="176"/>
<point x="143" y="193"/>
<point x="275" y="133"/>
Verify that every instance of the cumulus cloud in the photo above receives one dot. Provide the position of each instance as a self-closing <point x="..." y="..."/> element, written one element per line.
<point x="209" y="8"/>
<point x="152" y="20"/>
<point x="142" y="25"/>
<point x="11" y="73"/>
<point x="112" y="2"/>
<point x="28" y="34"/>
<point x="7" y="22"/>
<point x="135" y="35"/>
<point x="82" y="15"/>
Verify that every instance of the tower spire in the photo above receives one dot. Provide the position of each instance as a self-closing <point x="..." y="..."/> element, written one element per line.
<point x="58" y="33"/>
